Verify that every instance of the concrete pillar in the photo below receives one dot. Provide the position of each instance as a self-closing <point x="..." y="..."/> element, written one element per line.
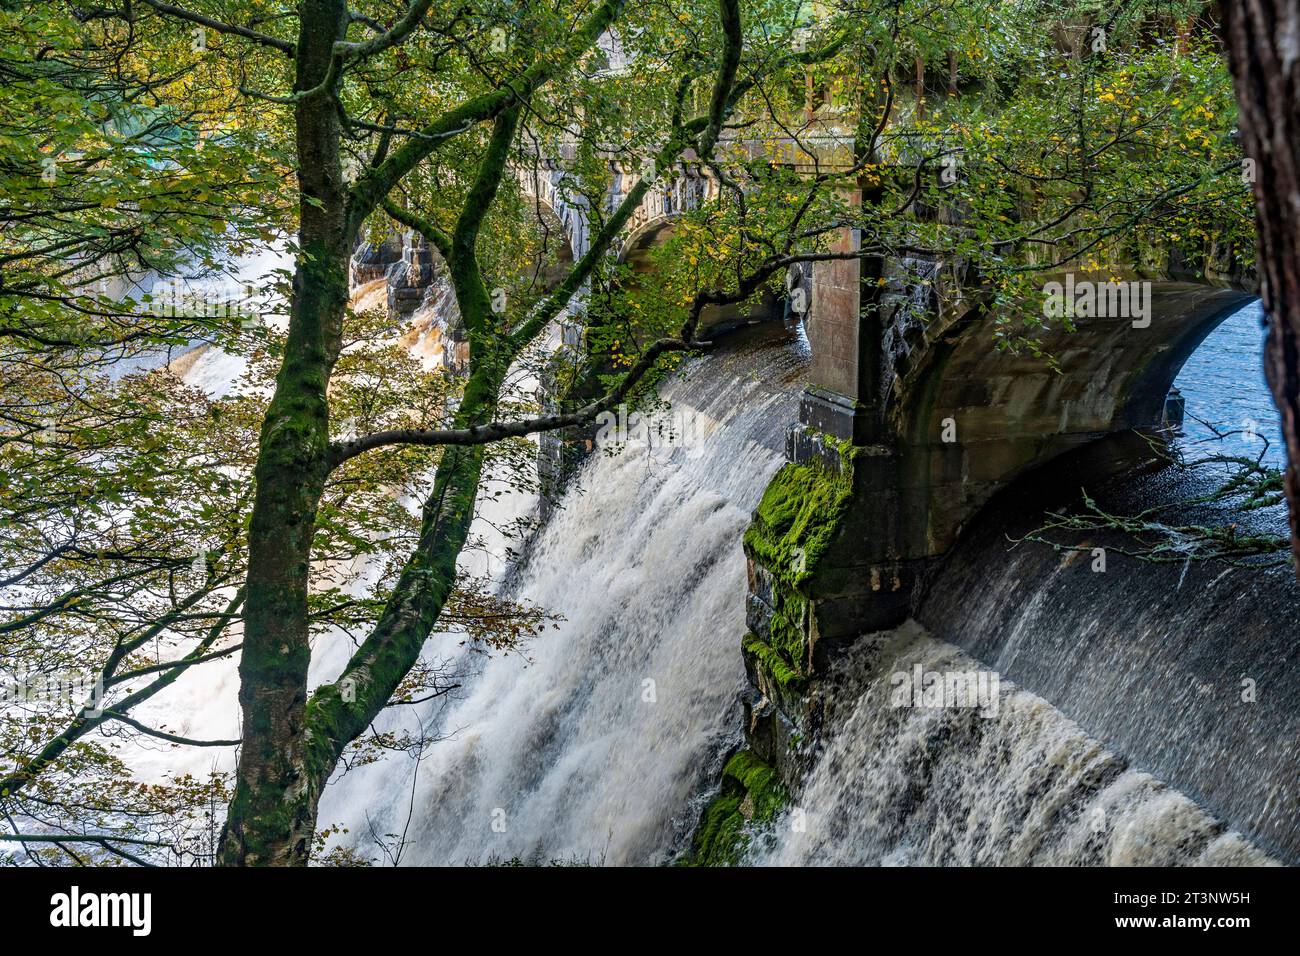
<point x="844" y="328"/>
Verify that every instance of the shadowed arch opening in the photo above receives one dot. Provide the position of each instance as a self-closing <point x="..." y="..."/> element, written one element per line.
<point x="973" y="417"/>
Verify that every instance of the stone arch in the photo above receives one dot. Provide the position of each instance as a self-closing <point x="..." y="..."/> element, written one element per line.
<point x="543" y="183"/>
<point x="561" y="224"/>
<point x="653" y="224"/>
<point x="969" y="417"/>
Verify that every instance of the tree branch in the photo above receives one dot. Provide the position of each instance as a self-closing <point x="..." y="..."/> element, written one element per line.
<point x="171" y="738"/>
<point x="720" y="105"/>
<point x="103" y="838"/>
<point x="369" y="190"/>
<point x="87" y="719"/>
<point x="284" y="46"/>
<point x="395" y="35"/>
<point x="498" y="431"/>
<point x="436" y="237"/>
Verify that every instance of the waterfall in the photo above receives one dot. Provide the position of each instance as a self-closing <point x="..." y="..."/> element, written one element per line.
<point x="1016" y="784"/>
<point x="598" y="743"/>
<point x="601" y="742"/>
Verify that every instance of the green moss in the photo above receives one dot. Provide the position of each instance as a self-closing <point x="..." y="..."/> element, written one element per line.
<point x="773" y="663"/>
<point x="797" y="520"/>
<point x="788" y="625"/>
<point x="794" y="527"/>
<point x="848" y="453"/>
<point x="719" y="840"/>
<point x="750" y="797"/>
<point x="760" y="781"/>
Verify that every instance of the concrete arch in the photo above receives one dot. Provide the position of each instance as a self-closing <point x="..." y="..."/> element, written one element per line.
<point x="969" y="417"/>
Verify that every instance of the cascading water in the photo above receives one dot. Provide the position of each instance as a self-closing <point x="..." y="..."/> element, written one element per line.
<point x="1187" y="667"/>
<point x="601" y="742"/>
<point x="915" y="781"/>
<point x="598" y="745"/>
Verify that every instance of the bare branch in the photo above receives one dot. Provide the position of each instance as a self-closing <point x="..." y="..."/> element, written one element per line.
<point x="170" y="738"/>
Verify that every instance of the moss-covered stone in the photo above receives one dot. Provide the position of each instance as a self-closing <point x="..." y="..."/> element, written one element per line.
<point x="796" y="524"/>
<point x="793" y="545"/>
<point x="750" y="798"/>
<point x="761" y="783"/>
<point x="797" y="520"/>
<point x="720" y="832"/>
<point x="770" y="660"/>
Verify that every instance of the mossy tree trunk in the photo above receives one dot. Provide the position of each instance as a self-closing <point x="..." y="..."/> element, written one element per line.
<point x="290" y="744"/>
<point x="1262" y="47"/>
<point x="272" y="816"/>
<point x="333" y="719"/>
<point x="291" y="747"/>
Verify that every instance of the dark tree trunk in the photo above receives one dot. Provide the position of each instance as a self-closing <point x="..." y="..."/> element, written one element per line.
<point x="1263" y="39"/>
<point x="273" y="812"/>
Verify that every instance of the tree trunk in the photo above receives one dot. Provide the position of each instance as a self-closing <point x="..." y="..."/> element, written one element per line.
<point x="273" y="811"/>
<point x="1263" y="39"/>
<point x="291" y="745"/>
<point x="341" y="711"/>
<point x="286" y="806"/>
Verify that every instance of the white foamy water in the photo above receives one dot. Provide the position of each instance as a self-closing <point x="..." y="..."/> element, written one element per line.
<point x="203" y="703"/>
<point x="947" y="786"/>
<point x="595" y="745"/>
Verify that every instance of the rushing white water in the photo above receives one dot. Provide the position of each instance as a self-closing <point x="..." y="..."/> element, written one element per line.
<point x="596" y="747"/>
<point x="601" y="741"/>
<point x="602" y="744"/>
<point x="1014" y="785"/>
